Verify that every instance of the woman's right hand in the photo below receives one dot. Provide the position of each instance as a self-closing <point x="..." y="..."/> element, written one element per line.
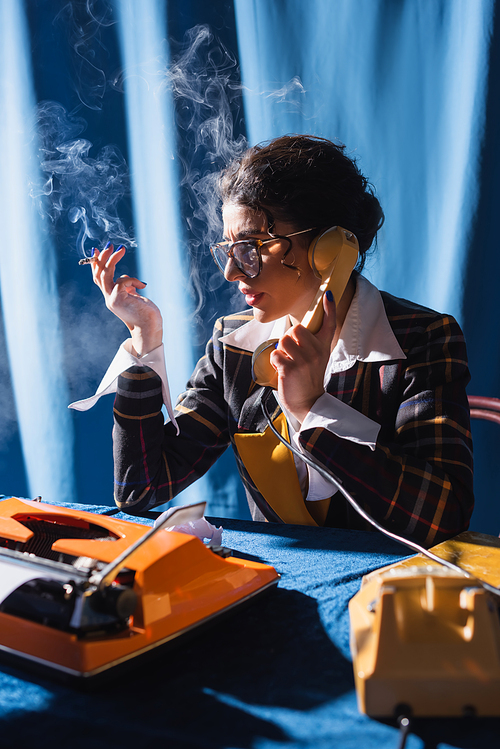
<point x="141" y="316"/>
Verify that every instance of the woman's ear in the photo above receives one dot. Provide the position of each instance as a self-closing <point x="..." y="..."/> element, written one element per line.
<point x="288" y="260"/>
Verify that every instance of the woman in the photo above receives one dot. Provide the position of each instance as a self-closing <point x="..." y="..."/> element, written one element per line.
<point x="377" y="395"/>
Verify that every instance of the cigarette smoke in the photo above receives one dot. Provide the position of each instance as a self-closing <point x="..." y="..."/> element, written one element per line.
<point x="93" y="335"/>
<point x="203" y="78"/>
<point x="84" y="194"/>
<point x="83" y="23"/>
<point x="82" y="190"/>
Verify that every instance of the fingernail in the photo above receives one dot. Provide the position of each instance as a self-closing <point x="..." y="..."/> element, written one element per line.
<point x="329" y="295"/>
<point x="276" y="344"/>
<point x="121" y="247"/>
<point x="144" y="282"/>
<point x="108" y="245"/>
<point x="94" y="250"/>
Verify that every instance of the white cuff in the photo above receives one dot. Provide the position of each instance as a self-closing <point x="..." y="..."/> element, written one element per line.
<point x="330" y="413"/>
<point x="123" y="360"/>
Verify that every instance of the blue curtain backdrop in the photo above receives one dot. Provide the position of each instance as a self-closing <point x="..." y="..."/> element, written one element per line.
<point x="116" y="117"/>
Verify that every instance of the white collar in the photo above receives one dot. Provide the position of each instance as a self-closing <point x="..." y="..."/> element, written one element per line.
<point x="366" y="337"/>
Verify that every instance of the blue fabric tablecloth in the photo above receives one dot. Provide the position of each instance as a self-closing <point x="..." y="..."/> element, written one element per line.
<point x="275" y="675"/>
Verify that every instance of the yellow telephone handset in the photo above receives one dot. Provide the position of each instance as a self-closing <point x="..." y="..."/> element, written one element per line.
<point x="332" y="255"/>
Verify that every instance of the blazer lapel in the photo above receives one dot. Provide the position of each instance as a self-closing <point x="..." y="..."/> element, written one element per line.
<point x="252" y="418"/>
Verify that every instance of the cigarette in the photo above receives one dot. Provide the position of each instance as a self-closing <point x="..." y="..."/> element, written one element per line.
<point x="86" y="260"/>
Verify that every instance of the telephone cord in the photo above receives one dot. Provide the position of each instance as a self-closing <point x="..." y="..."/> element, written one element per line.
<point x="330" y="476"/>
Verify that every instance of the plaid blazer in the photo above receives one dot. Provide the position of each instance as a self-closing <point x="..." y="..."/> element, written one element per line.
<point x="417" y="481"/>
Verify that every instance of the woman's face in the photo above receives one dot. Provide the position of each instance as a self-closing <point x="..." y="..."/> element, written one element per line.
<point x="277" y="290"/>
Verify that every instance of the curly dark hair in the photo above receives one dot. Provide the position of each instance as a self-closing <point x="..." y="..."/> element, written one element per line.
<point x="305" y="181"/>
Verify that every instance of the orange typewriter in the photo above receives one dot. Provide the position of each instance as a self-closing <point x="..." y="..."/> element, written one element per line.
<point x="82" y="594"/>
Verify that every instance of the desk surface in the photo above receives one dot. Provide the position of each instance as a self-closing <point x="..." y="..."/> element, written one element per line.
<point x="276" y="675"/>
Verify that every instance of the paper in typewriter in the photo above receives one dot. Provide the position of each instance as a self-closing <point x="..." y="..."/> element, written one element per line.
<point x="12" y="576"/>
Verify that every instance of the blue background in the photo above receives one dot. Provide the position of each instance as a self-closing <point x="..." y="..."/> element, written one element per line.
<point x="410" y="86"/>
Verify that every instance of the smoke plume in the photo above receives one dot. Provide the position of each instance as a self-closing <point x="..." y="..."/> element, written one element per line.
<point x="82" y="190"/>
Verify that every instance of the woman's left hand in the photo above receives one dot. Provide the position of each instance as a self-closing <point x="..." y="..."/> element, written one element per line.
<point x="300" y="360"/>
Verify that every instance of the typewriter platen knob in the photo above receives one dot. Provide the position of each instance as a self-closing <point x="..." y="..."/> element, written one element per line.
<point x="116" y="600"/>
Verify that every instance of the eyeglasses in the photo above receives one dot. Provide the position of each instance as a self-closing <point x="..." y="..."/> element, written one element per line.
<point x="246" y="253"/>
